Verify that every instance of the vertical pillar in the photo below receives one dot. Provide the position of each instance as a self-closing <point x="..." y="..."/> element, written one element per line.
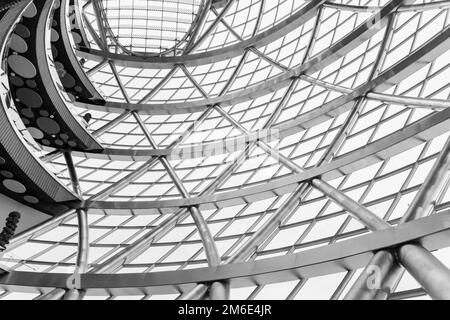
<point x="83" y="232"/>
<point x="432" y="274"/>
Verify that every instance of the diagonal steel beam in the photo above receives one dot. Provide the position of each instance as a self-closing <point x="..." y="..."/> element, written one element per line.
<point x="210" y="29"/>
<point x="423" y="266"/>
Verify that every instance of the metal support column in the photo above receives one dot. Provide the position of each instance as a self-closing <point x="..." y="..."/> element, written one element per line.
<point x="218" y="291"/>
<point x="432" y="274"/>
<point x="357" y="210"/>
<point x="425" y="267"/>
<point x="133" y="250"/>
<point x="83" y="226"/>
<point x="83" y="241"/>
<point x="83" y="232"/>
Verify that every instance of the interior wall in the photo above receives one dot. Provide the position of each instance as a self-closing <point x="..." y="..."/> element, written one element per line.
<point x="29" y="216"/>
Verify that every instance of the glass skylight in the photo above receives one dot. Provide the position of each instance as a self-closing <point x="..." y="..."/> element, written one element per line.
<point x="177" y="75"/>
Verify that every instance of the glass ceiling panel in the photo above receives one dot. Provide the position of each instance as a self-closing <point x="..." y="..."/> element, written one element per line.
<point x="323" y="95"/>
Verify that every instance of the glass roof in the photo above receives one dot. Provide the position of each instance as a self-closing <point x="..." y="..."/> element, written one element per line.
<point x="323" y="107"/>
<point x="150" y="27"/>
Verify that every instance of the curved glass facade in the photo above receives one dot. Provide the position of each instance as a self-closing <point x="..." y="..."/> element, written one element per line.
<point x="250" y="149"/>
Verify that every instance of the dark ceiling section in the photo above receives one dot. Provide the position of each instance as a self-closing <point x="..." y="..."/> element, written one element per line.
<point x="22" y="175"/>
<point x="72" y="77"/>
<point x="76" y="25"/>
<point x="6" y="4"/>
<point x="32" y="186"/>
<point x="39" y="99"/>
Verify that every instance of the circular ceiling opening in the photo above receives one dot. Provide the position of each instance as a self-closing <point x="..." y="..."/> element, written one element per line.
<point x="150" y="27"/>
